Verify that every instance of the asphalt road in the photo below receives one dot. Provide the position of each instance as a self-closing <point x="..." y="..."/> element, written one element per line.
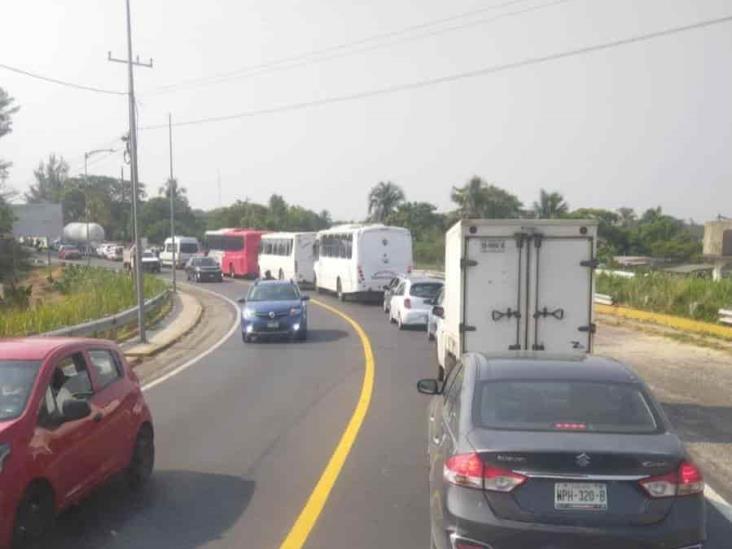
<point x="243" y="436"/>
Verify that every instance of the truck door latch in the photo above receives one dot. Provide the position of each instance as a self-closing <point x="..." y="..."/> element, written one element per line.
<point x="465" y="328"/>
<point x="591" y="328"/>
<point x="509" y="313"/>
<point x="464" y="263"/>
<point x="556" y="313"/>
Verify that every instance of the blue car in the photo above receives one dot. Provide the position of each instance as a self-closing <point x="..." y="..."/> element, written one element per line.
<point x="274" y="308"/>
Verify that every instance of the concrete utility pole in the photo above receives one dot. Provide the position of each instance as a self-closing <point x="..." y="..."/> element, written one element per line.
<point x="171" y="190"/>
<point x="132" y="147"/>
<point x="86" y="197"/>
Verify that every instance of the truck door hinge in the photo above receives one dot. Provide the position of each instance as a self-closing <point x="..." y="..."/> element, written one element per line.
<point x="591" y="263"/>
<point x="465" y="328"/>
<point x="514" y="347"/>
<point x="537" y="347"/>
<point x="464" y="263"/>
<point x="591" y="328"/>
<point x="508" y="313"/>
<point x="556" y="313"/>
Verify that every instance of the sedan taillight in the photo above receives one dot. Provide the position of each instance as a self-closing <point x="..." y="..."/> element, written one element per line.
<point x="470" y="471"/>
<point x="685" y="481"/>
<point x="407" y="303"/>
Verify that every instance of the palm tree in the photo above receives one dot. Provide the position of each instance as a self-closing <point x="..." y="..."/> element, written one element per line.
<point x="179" y="191"/>
<point x="479" y="199"/>
<point x="627" y="216"/>
<point x="384" y="199"/>
<point x="470" y="197"/>
<point x="550" y="205"/>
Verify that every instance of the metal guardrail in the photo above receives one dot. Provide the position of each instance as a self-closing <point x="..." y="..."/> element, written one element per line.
<point x="604" y="299"/>
<point x="725" y="316"/>
<point x="111" y="322"/>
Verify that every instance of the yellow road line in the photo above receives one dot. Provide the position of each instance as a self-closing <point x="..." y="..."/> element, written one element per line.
<point x="677" y="322"/>
<point x="305" y="522"/>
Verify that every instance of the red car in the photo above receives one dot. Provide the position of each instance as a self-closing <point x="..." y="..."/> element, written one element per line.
<point x="71" y="415"/>
<point x="69" y="252"/>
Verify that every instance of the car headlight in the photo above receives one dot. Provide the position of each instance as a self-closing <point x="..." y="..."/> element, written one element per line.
<point x="295" y="311"/>
<point x="248" y="314"/>
<point x="4" y="453"/>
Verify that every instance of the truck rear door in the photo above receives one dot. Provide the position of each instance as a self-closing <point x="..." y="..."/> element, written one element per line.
<point x="560" y="303"/>
<point x="494" y="295"/>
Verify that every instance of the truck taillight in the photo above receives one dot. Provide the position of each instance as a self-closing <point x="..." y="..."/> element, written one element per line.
<point x="409" y="269"/>
<point x="361" y="277"/>
<point x="685" y="481"/>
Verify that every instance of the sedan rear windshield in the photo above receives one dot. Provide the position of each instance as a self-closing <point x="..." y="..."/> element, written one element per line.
<point x="425" y="289"/>
<point x="273" y="292"/>
<point x="16" y="381"/>
<point x="206" y="262"/>
<point x="563" y="406"/>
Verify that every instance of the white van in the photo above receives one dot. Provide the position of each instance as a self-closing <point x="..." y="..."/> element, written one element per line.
<point x="185" y="248"/>
<point x="287" y="256"/>
<point x="358" y="260"/>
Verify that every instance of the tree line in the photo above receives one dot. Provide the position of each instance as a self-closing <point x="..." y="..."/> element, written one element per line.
<point x="108" y="201"/>
<point x="620" y="232"/>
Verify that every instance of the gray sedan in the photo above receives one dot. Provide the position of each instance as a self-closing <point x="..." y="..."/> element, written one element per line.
<point x="560" y="452"/>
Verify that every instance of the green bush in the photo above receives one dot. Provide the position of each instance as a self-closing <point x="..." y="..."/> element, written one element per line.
<point x="88" y="294"/>
<point x="697" y="298"/>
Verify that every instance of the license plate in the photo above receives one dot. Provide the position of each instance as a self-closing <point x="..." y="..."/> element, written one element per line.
<point x="273" y="324"/>
<point x="580" y="496"/>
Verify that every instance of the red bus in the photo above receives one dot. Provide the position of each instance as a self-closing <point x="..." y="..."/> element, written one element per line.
<point x="236" y="250"/>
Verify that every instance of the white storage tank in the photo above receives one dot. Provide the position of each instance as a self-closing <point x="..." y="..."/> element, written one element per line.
<point x="76" y="232"/>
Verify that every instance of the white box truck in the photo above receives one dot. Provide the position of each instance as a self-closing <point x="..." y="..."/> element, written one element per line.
<point x="517" y="285"/>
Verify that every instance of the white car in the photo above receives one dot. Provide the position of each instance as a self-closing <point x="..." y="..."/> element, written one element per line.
<point x="412" y="301"/>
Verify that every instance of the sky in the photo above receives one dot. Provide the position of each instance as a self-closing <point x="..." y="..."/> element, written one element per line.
<point x="641" y="125"/>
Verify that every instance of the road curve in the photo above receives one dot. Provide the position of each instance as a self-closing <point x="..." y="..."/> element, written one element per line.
<point x="244" y="435"/>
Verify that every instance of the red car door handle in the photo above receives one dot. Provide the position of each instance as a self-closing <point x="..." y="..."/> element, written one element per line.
<point x="98" y="417"/>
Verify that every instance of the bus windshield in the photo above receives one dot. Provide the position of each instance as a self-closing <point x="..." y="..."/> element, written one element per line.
<point x="225" y="243"/>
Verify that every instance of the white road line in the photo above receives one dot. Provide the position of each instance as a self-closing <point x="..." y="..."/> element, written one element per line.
<point x="191" y="362"/>
<point x="719" y="502"/>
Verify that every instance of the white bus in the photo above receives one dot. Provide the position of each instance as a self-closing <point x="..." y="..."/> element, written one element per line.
<point x="287" y="256"/>
<point x="358" y="260"/>
<point x="185" y="248"/>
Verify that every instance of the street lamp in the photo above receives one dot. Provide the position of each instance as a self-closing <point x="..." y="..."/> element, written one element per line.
<point x="86" y="197"/>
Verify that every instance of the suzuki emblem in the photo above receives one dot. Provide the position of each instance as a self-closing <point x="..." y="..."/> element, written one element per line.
<point x="583" y="460"/>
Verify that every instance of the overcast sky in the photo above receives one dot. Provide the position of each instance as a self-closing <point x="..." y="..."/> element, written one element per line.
<point x="639" y="125"/>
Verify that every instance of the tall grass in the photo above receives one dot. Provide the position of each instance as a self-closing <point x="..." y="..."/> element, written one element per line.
<point x="697" y="298"/>
<point x="86" y="294"/>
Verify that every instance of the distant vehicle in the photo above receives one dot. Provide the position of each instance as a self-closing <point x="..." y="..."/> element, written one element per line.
<point x="150" y="261"/>
<point x="358" y="260"/>
<point x="184" y="247"/>
<point x="274" y="308"/>
<point x="567" y="451"/>
<point x="287" y="256"/>
<point x="69" y="252"/>
<point x="411" y="301"/>
<point x="83" y="232"/>
<point x="115" y="253"/>
<point x="518" y="284"/>
<point x="435" y="315"/>
<point x="236" y="250"/>
<point x="203" y="269"/>
<point x="72" y="415"/>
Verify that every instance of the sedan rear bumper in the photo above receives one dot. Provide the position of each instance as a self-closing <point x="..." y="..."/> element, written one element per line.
<point x="467" y="514"/>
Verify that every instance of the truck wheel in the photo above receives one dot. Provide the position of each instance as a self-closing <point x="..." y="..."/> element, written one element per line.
<point x="339" y="291"/>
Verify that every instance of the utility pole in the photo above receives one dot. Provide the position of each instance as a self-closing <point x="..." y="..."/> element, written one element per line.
<point x="132" y="145"/>
<point x="218" y="184"/>
<point x="171" y="190"/>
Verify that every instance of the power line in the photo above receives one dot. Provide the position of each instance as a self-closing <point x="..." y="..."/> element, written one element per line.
<point x="60" y="82"/>
<point x="450" y="78"/>
<point x="315" y="56"/>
